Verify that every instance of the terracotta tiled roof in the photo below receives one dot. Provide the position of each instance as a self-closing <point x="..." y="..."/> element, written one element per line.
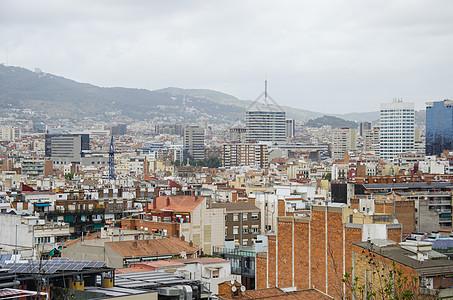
<point x="153" y="247"/>
<point x="89" y="236"/>
<point x="163" y="263"/>
<point x="177" y="203"/>
<point x="131" y="270"/>
<point x="202" y="260"/>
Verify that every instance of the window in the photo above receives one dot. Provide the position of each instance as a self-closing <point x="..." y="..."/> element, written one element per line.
<point x="255" y="217"/>
<point x="226" y="231"/>
<point x="245" y="230"/>
<point x="244" y="216"/>
<point x="226" y="218"/>
<point x="215" y="273"/>
<point x="235" y="217"/>
<point x="244" y="242"/>
<point x="235" y="230"/>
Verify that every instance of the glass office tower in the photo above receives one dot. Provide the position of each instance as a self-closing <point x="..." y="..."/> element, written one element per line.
<point x="439" y="127"/>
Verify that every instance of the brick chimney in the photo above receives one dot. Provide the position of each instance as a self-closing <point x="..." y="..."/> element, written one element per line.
<point x="168" y="201"/>
<point x="196" y="198"/>
<point x="134" y="244"/>
<point x="155" y="203"/>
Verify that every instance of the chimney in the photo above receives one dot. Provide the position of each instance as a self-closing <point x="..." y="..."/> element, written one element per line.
<point x="168" y="201"/>
<point x="196" y="198"/>
<point x="155" y="203"/>
<point x="191" y="244"/>
<point x="134" y="244"/>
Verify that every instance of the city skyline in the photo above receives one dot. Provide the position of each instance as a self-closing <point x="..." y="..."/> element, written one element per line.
<point x="334" y="58"/>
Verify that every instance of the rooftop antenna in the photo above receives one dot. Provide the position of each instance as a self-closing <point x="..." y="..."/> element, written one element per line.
<point x="265" y="92"/>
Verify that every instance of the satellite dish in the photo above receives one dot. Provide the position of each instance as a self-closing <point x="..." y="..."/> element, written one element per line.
<point x="364" y="213"/>
<point x="232" y="281"/>
<point x="395" y="221"/>
<point x="63" y="223"/>
<point x="243" y="289"/>
<point x="234" y="289"/>
<point x="355" y="210"/>
<point x="370" y="213"/>
<point x="59" y="223"/>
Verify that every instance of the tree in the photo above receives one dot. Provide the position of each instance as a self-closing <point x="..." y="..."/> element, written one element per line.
<point x="381" y="280"/>
<point x="327" y="176"/>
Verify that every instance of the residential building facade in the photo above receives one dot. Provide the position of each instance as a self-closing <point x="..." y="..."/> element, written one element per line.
<point x="247" y="154"/>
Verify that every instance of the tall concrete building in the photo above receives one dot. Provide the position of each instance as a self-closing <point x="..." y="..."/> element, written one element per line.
<point x="439" y="127"/>
<point x="194" y="142"/>
<point x="364" y="126"/>
<point x="238" y="134"/>
<point x="344" y="139"/>
<point x="8" y="133"/>
<point x="66" y="148"/>
<point x="290" y="128"/>
<point x="266" y="121"/>
<point x="371" y="140"/>
<point x="397" y="129"/>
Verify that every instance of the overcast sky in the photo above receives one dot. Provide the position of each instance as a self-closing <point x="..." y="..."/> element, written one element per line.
<point x="327" y="56"/>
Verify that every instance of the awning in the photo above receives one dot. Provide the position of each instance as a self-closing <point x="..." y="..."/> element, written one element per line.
<point x="42" y="204"/>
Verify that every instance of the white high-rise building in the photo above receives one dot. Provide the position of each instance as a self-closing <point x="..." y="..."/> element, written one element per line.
<point x="397" y="129"/>
<point x="266" y="122"/>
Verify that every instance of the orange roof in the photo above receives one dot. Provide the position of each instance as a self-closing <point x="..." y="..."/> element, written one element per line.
<point x="163" y="263"/>
<point x="202" y="260"/>
<point x="177" y="203"/>
<point x="131" y="270"/>
<point x="154" y="247"/>
<point x="89" y="236"/>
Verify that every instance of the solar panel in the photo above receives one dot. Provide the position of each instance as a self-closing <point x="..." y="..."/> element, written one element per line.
<point x="60" y="259"/>
<point x="52" y="266"/>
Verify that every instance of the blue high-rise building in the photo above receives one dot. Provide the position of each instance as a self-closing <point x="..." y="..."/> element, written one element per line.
<point x="439" y="127"/>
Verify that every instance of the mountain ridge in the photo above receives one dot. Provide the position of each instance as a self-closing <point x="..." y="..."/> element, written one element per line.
<point x="60" y="96"/>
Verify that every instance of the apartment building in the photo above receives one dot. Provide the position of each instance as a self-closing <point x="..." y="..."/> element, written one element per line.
<point x="247" y="154"/>
<point x="242" y="222"/>
<point x="188" y="217"/>
<point x="8" y="133"/>
<point x="315" y="251"/>
<point x="344" y="140"/>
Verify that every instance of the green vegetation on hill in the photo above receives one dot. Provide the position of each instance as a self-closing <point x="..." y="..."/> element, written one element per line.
<point x="64" y="98"/>
<point x="332" y="121"/>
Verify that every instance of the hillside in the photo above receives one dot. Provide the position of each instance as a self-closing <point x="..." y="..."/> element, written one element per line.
<point x="60" y="97"/>
<point x="334" y="122"/>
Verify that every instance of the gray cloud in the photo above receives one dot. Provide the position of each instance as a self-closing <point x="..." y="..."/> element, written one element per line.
<point x="329" y="56"/>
